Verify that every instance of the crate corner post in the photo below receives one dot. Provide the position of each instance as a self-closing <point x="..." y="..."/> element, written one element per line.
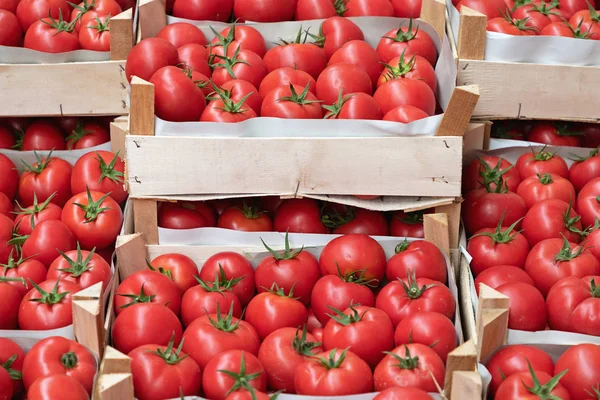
<point x="115" y="381"/>
<point x="433" y="12"/>
<point x="471" y="35"/>
<point x="121" y="38"/>
<point x="88" y="321"/>
<point x="457" y="116"/>
<point x="463" y="358"/>
<point x="152" y="17"/>
<point x="436" y="231"/>
<point x="141" y="114"/>
<point x="131" y="254"/>
<point x="466" y="385"/>
<point x="491" y="321"/>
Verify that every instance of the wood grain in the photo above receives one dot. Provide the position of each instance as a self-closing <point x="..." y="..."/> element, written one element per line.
<point x="88" y="318"/>
<point x="458" y="113"/>
<point x="141" y="116"/>
<point x="434" y="13"/>
<point x="463" y="358"/>
<point x="435" y="227"/>
<point x="131" y="254"/>
<point x="152" y="18"/>
<point x="491" y="321"/>
<point x="466" y="386"/>
<point x="121" y="35"/>
<point x="471" y="34"/>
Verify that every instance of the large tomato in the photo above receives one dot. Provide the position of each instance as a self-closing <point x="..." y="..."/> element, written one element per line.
<point x="209" y="298"/>
<point x="483" y="209"/>
<point x="10" y="35"/>
<point x="340" y="80"/>
<point x="299" y="216"/>
<point x="422" y="258"/>
<point x="240" y="64"/>
<point x="563" y="28"/>
<point x="264" y="10"/>
<point x="147" y="287"/>
<point x="31" y="270"/>
<point x="145" y="323"/>
<point x="547" y="186"/>
<point x="47" y="239"/>
<point x="291" y="101"/>
<point x="9" y="5"/>
<point x="584" y="169"/>
<point x="94" y="35"/>
<point x="87" y="134"/>
<point x="11" y="295"/>
<point x="489" y="171"/>
<point x="7" y="138"/>
<point x="554" y="259"/>
<point x="354" y="106"/>
<point x="232" y="370"/>
<point x="11" y="360"/>
<point x="182" y="33"/>
<point x="401" y="393"/>
<point x="551" y="218"/>
<point x="429" y="328"/>
<point x="57" y="386"/>
<point x="186" y="215"/>
<point x="555" y="134"/>
<point x="405" y="92"/>
<point x="95" y="8"/>
<point x="6" y="234"/>
<point x="229" y="265"/>
<point x="573" y="304"/>
<point x="163" y="372"/>
<point x="51" y="36"/>
<point x="242" y="91"/>
<point x="243" y="36"/>
<point x="284" y="77"/>
<point x="531" y="385"/>
<point x="176" y="97"/>
<point x="100" y="171"/>
<point x="85" y="268"/>
<point x="407" y="41"/>
<point x="203" y="10"/>
<point x="43" y="135"/>
<point x="30" y="11"/>
<point x="541" y="162"/>
<point x="571" y="7"/>
<point x="148" y="56"/>
<point x="527" y="308"/>
<point x="351" y="253"/>
<point x="333" y="373"/>
<point x="583" y="375"/>
<point x="314" y="9"/>
<point x="586" y="19"/>
<point x="502" y="274"/>
<point x="195" y="57"/>
<point x="246" y="219"/>
<point x="538" y="16"/>
<point x="27" y="218"/>
<point x="94" y="218"/>
<point x="407" y="224"/>
<point x="356" y="220"/>
<point x="360" y="8"/>
<point x="360" y="53"/>
<point x="179" y="268"/>
<point x="336" y="31"/>
<point x="48" y="177"/>
<point x="10" y="177"/>
<point x="410" y="365"/>
<point x="415" y="67"/>
<point x="588" y="202"/>
<point x="48" y="306"/>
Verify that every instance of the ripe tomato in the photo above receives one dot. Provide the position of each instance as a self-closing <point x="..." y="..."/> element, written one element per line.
<point x="356" y="220"/>
<point x="583" y="375"/>
<point x="353" y="253"/>
<point x="299" y="216"/>
<point x="360" y="8"/>
<point x="246" y="219"/>
<point x="7" y="138"/>
<point x="545" y="186"/>
<point x="340" y="80"/>
<point x="354" y="106"/>
<point x="48" y="306"/>
<point x="85" y="268"/>
<point x="212" y="334"/>
<point x="6" y="234"/>
<point x="229" y="265"/>
<point x="27" y="218"/>
<point x="584" y="170"/>
<point x="405" y="114"/>
<point x="94" y="218"/>
<point x="489" y="171"/>
<point x="87" y="134"/>
<point x="401" y="393"/>
<point x="227" y="111"/>
<point x="404" y="297"/>
<point x="336" y="31"/>
<point x="284" y="77"/>
<point x="10" y="177"/>
<point x="11" y="359"/>
<point x="527" y="308"/>
<point x="333" y="373"/>
<point x="239" y="90"/>
<point x="148" y="56"/>
<point x="31" y="270"/>
<point x="202" y="10"/>
<point x="264" y="10"/>
<point x="402" y="92"/>
<point x="541" y="162"/>
<point x="234" y="36"/>
<point x="410" y="365"/>
<point x="11" y="33"/>
<point x="163" y="372"/>
<point x="230" y="371"/>
<point x="314" y="9"/>
<point x="562" y="28"/>
<point x="429" y="328"/>
<point x="511" y="26"/>
<point x="551" y="218"/>
<point x="360" y="53"/>
<point x="587" y="202"/>
<point x="291" y="102"/>
<point x="483" y="209"/>
<point x="49" y="177"/>
<point x="182" y="33"/>
<point x="57" y="386"/>
<point x="532" y="384"/>
<point x="11" y="296"/>
<point x="6" y="206"/>
<point x="100" y="171"/>
<point x="554" y="259"/>
<point x="573" y="303"/>
<point x="240" y="64"/>
<point x="95" y="33"/>
<point x="416" y="67"/>
<point x="406" y="41"/>
<point x="147" y="287"/>
<point x="186" y="215"/>
<point x="195" y="57"/>
<point x="43" y="135"/>
<point x="407" y="224"/>
<point x="209" y="298"/>
<point x="176" y="97"/>
<point x="591" y="134"/>
<point x="571" y="7"/>
<point x="539" y="15"/>
<point x="180" y="269"/>
<point x="554" y="134"/>
<point x="51" y="36"/>
<point x="9" y="5"/>
<point x="501" y="275"/>
<point x="421" y="258"/>
<point x="47" y="239"/>
<point x="30" y="11"/>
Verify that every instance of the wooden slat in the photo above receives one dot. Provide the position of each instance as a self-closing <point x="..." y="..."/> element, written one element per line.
<point x="141" y="117"/>
<point x="458" y="113"/>
<point x="91" y="88"/>
<point x="121" y="35"/>
<point x="463" y="358"/>
<point x="492" y="321"/>
<point x="466" y="385"/>
<point x="452" y="212"/>
<point x="131" y="254"/>
<point x="516" y="90"/>
<point x="471" y="34"/>
<point x="466" y="304"/>
<point x="115" y="381"/>
<point x="88" y="318"/>
<point x="152" y="18"/>
<point x="435" y="227"/>
<point x="118" y="130"/>
<point x="145" y="217"/>
<point x="434" y="13"/>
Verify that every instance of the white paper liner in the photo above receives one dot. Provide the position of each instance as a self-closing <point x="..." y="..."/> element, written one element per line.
<point x="373" y="28"/>
<point x="20" y="55"/>
<point x="537" y="49"/>
<point x="18" y="157"/>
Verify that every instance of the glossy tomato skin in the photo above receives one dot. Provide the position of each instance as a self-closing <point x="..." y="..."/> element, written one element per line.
<point x="8" y="350"/>
<point x="101" y="176"/>
<point x="351" y="253"/>
<point x="359" y="221"/>
<point x="358" y="106"/>
<point x="246" y="221"/>
<point x="573" y="304"/>
<point x="562" y="28"/>
<point x="148" y="56"/>
<point x="485" y="210"/>
<point x="488" y="252"/>
<point x="527" y="308"/>
<point x="239" y="89"/>
<point x="218" y="384"/>
<point x="401" y="393"/>
<point x="337" y="31"/>
<point x="57" y="386"/>
<point x="215" y="111"/>
<point x="420" y="257"/>
<point x="7" y="139"/>
<point x="11" y="34"/>
<point x="179" y="268"/>
<point x="342" y="79"/>
<point x="284" y="77"/>
<point x="41" y="36"/>
<point x="516" y="387"/>
<point x="409" y="67"/>
<point x="75" y="267"/>
<point x="10" y="180"/>
<point x="388" y="373"/>
<point x="407" y="225"/>
<point x="195" y="57"/>
<point x="6" y="206"/>
<point x="581" y="378"/>
<point x="158" y="287"/>
<point x="30" y="11"/>
<point x="264" y="10"/>
<point x="502" y="274"/>
<point x="94" y="134"/>
<point x="488" y="168"/>
<point x="582" y="172"/>
<point x="34" y="315"/>
<point x="337" y="292"/>
<point x="402" y="92"/>
<point x="244" y="36"/>
<point x="588" y="205"/>
<point x="420" y="44"/>
<point x="360" y="53"/>
<point x="552" y="134"/>
<point x="186" y="215"/>
<point x="547" y="219"/>
<point x="30" y="270"/>
<point x="91" y="37"/>
<point x="202" y="10"/>
<point x="45" y="178"/>
<point x="182" y="33"/>
<point x="429" y="328"/>
<point x="249" y="67"/>
<point x="314" y="9"/>
<point x="46" y="239"/>
<point x="197" y="302"/>
<point x="360" y="8"/>
<point x="269" y="311"/>
<point x="299" y="216"/>
<point x="176" y="97"/>
<point x="276" y="107"/>
<point x="145" y="323"/>
<point x="531" y="164"/>
<point x="351" y="376"/>
<point x="43" y="135"/>
<point x="11" y="296"/>
<point x="235" y="266"/>
<point x="303" y="56"/>
<point x="547" y="186"/>
<point x="6" y="234"/>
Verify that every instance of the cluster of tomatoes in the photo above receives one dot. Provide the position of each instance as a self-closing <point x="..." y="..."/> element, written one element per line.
<point x="271" y="213"/>
<point x="58" y="226"/>
<point x="66" y="133"/>
<point x="534" y="237"/>
<point x="298" y="324"/>
<point x="567" y="18"/>
<point x="290" y="10"/>
<point x="57" y="26"/>
<point x="52" y="367"/>
<point x="550" y="133"/>
<point x="523" y="371"/>
<point x="335" y="75"/>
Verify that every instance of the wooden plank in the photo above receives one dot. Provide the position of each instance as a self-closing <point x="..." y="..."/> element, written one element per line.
<point x="475" y="137"/>
<point x="152" y="18"/>
<point x="121" y="35"/>
<point x="463" y="358"/>
<point x="434" y="13"/>
<point x="97" y="88"/>
<point x="466" y="303"/>
<point x="145" y="219"/>
<point x="466" y="386"/>
<point x="402" y="166"/>
<point x="471" y="34"/>
<point x="458" y="113"/>
<point x="118" y="131"/>
<point x="436" y="231"/>
<point x="88" y="318"/>
<point x="492" y="321"/>
<point x="516" y="90"/>
<point x="141" y="117"/>
<point x="453" y="214"/>
<point x="131" y="254"/>
<point x="115" y="381"/>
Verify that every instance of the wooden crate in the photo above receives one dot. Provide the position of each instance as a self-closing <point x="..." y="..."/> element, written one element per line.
<point x="75" y="88"/>
<point x="510" y="90"/>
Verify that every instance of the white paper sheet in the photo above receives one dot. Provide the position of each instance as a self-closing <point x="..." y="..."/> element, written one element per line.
<point x="20" y="55"/>
<point x="17" y="157"/>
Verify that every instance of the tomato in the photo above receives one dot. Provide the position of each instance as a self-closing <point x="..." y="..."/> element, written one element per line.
<point x="554" y="259"/>
<point x="401" y="393"/>
<point x="57" y="386"/>
<point x="409" y="224"/>
<point x="401" y="92"/>
<point x="6" y="206"/>
<point x="587" y="202"/>
<point x="416" y="67"/>
<point x="48" y="306"/>
<point x="562" y="28"/>
<point x="342" y="79"/>
<point x="545" y="186"/>
<point x="246" y="219"/>
<point x="429" y="328"/>
<point x="239" y="64"/>
<point x="212" y="334"/>
<point x="243" y="36"/>
<point x="527" y="308"/>
<point x="573" y="303"/>
<point x="492" y="9"/>
<point x="176" y="97"/>
<point x="209" y="298"/>
<point x="360" y="53"/>
<point x="299" y="55"/>
<point x="359" y="8"/>
<point x="541" y="162"/>
<point x="6" y="234"/>
<point x="148" y="56"/>
<point x="282" y="351"/>
<point x="583" y="375"/>
<point x="9" y="5"/>
<point x="501" y="275"/>
<point x="264" y="10"/>
<point x="239" y="90"/>
<point x="230" y="371"/>
<point x="147" y="287"/>
<point x="314" y="9"/>
<point x="43" y="135"/>
<point x="410" y="365"/>
<point x="405" y="114"/>
<point x="586" y="18"/>
<point x="591" y="134"/>
<point x="87" y="134"/>
<point x="163" y="372"/>
<point x="85" y="268"/>
<point x="357" y="221"/>
<point x="284" y="77"/>
<point x="554" y="134"/>
<point x="584" y="170"/>
<point x="179" y="268"/>
<point x="339" y="292"/>
<point x="489" y="171"/>
<point x="243" y="394"/>
<point x="30" y="270"/>
<point x="51" y="36"/>
<point x="229" y="265"/>
<point x="333" y="373"/>
<point x="11" y="33"/>
<point x="27" y="218"/>
<point x="48" y="178"/>
<point x="7" y="138"/>
<point x="299" y="216"/>
<point x="507" y="130"/>
<point x="47" y="239"/>
<point x="95" y="8"/>
<point x="351" y="253"/>
<point x="531" y="385"/>
<point x="10" y="177"/>
<point x="422" y="258"/>
<point x="182" y="33"/>
<point x="94" y="218"/>
<point x="195" y="57"/>
<point x="538" y="16"/>
<point x="354" y="106"/>
<point x="11" y="361"/>
<point x="296" y="270"/>
<point x="100" y="171"/>
<point x="406" y="41"/>
<point x="335" y="32"/>
<point x="201" y="10"/>
<point x="95" y="33"/>
<point x="404" y="297"/>
<point x="30" y="11"/>
<point x="551" y="218"/>
<point x="186" y="215"/>
<point x="11" y="296"/>
<point x="483" y="209"/>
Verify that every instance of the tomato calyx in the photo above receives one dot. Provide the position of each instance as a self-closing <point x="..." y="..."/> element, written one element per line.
<point x="228" y="62"/>
<point x="108" y="170"/>
<point x="101" y="26"/>
<point x="542" y="155"/>
<point x="276" y="290"/>
<point x="406" y="362"/>
<point x="51" y="297"/>
<point x="595" y="393"/>
<point x="221" y="283"/>
<point x="78" y="133"/>
<point x="21" y="280"/>
<point x="69" y="360"/>
<point x="11" y="263"/>
<point x="403" y="68"/>
<point x="298" y="39"/>
<point x="79" y="266"/>
<point x="223" y="41"/>
<point x="331" y="362"/>
<point x="594" y="16"/>
<point x="357" y="277"/>
<point x="594" y="289"/>
<point x="169" y="355"/>
<point x="40" y="165"/>
<point x="500" y="236"/>
<point x="335" y="219"/>
<point x="593" y="153"/>
<point x="340" y="7"/>
<point x="571" y="221"/>
<point x="34" y="209"/>
<point x="84" y="7"/>
<point x="17" y="239"/>
<point x="402" y="246"/>
<point x="566" y="254"/>
<point x="7" y="365"/>
<point x="224" y="323"/>
<point x="142" y="297"/>
<point x="161" y="270"/>
<point x="287" y="253"/>
<point x="242" y="379"/>
<point x="492" y="175"/>
<point x="544" y="391"/>
<point x="412" y="289"/>
<point x="411" y="218"/>
<point x="545" y="8"/>
<point x="545" y="179"/>
<point x="301" y="345"/>
<point x="232" y="107"/>
<point x="299" y="99"/>
<point x="520" y="24"/>
<point x="563" y="130"/>
<point x="344" y="319"/>
<point x="404" y="36"/>
<point x="60" y="25"/>
<point x="92" y="209"/>
<point x="520" y="3"/>
<point x="335" y="109"/>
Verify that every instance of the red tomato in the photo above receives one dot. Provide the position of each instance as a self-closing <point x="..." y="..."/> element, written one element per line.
<point x="10" y="177"/>
<point x="30" y="11"/>
<point x="284" y="77"/>
<point x="95" y="33"/>
<point x="43" y="135"/>
<point x="587" y="202"/>
<point x="554" y="134"/>
<point x="336" y="31"/>
<point x="212" y="334"/>
<point x="410" y="365"/>
<point x="538" y="15"/>
<point x="179" y="268"/>
<point x="421" y="258"/>
<point x="404" y="297"/>
<point x="360" y="53"/>
<point x="407" y="224"/>
<point x="31" y="270"/>
<point x="182" y="33"/>
<point x="229" y="265"/>
<point x="227" y="111"/>
<point x="51" y="36"/>
<point x="100" y="171"/>
<point x="353" y="253"/>
<point x="401" y="393"/>
<point x="147" y="287"/>
<point x="203" y="10"/>
<point x="584" y="170"/>
<point x="571" y="7"/>
<point x="407" y="41"/>
<point x="48" y="178"/>
<point x="405" y="114"/>
<point x="299" y="216"/>
<point x="240" y="64"/>
<point x="148" y="56"/>
<point x="176" y="97"/>
<point x="6" y="206"/>
<point x="489" y="171"/>
<point x="195" y="57"/>
<point x="360" y="8"/>
<point x="429" y="328"/>
<point x="586" y="19"/>
<point x="186" y="215"/>
<point x="333" y="373"/>
<point x="530" y="385"/>
<point x="401" y="92"/>
<point x="246" y="219"/>
<point x="48" y="306"/>
<point x="342" y="79"/>
<point x="57" y="386"/>
<point x="88" y="134"/>
<point x="354" y="106"/>
<point x="545" y="186"/>
<point x="264" y="10"/>
<point x="47" y="239"/>
<point x="6" y="234"/>
<point x="527" y="308"/>
<point x="299" y="55"/>
<point x="209" y="298"/>
<point x="95" y="8"/>
<point x="9" y="5"/>
<point x="416" y="67"/>
<point x="11" y="296"/>
<point x="7" y="138"/>
<point x="11" y="33"/>
<point x="554" y="259"/>
<point x="501" y="275"/>
<point x="239" y="90"/>
<point x="492" y="9"/>
<point x="482" y="209"/>
<point x="562" y="28"/>
<point x="230" y="371"/>
<point x="358" y="221"/>
<point x="94" y="218"/>
<point x="243" y="36"/>
<point x="551" y="218"/>
<point x="85" y="268"/>
<point x="583" y="376"/>
<point x="145" y="323"/>
<point x="573" y="303"/>
<point x="591" y="137"/>
<point x="11" y="359"/>
<point x="541" y="162"/>
<point x="282" y="352"/>
<point x="314" y="9"/>
<point x="163" y="372"/>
